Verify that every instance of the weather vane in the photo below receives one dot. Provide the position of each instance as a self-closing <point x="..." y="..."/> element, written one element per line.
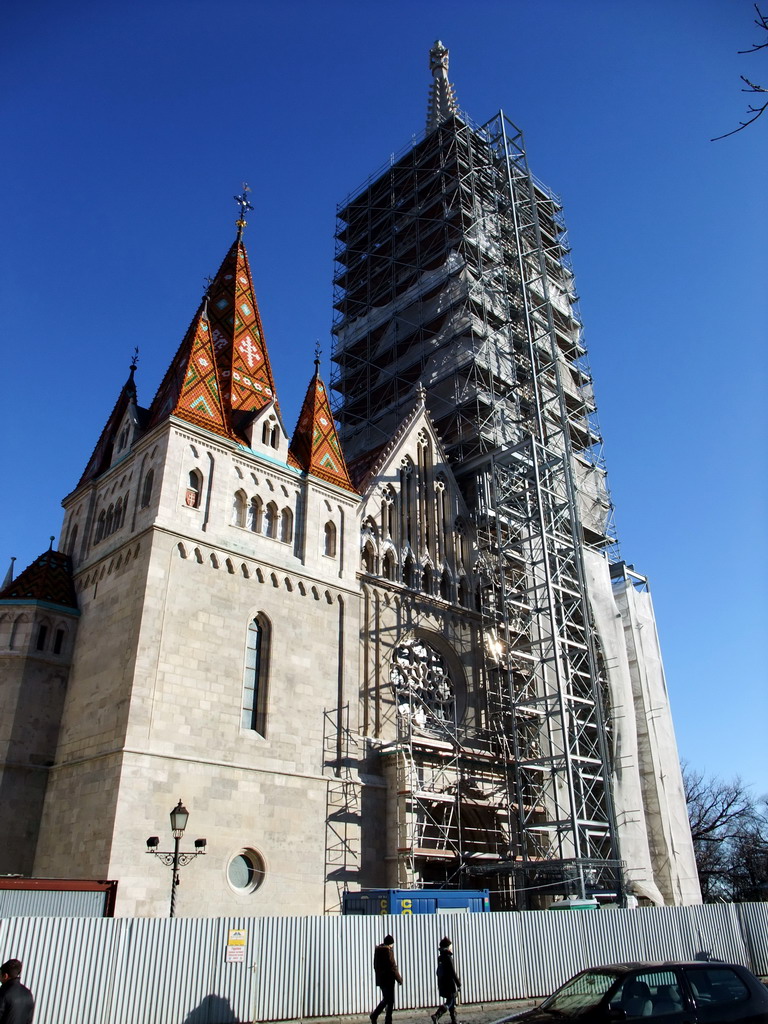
<point x="135" y="358"/>
<point x="317" y="355"/>
<point x="242" y="202"/>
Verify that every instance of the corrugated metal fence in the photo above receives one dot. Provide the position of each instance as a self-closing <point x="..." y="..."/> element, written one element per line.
<point x="163" y="971"/>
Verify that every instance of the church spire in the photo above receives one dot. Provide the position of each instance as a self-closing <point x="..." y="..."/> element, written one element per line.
<point x="442" y="98"/>
<point x="314" y="447"/>
<point x="222" y="368"/>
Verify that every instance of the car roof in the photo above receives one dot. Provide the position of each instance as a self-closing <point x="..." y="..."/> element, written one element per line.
<point x="634" y="965"/>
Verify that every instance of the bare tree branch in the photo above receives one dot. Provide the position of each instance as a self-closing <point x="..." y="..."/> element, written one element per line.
<point x="729" y="829"/>
<point x="762" y="22"/>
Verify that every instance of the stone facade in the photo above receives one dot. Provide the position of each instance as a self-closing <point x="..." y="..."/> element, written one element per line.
<point x="297" y="657"/>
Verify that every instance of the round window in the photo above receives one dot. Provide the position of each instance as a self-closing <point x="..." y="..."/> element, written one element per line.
<point x="245" y="872"/>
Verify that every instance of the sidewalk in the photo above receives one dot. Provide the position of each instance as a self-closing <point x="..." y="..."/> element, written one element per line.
<point x="472" y="1013"/>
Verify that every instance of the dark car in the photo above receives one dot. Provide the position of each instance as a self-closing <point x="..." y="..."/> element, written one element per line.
<point x="706" y="992"/>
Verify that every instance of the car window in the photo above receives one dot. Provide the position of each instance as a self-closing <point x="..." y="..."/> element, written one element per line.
<point x="582" y="992"/>
<point x="654" y="993"/>
<point x="716" y="986"/>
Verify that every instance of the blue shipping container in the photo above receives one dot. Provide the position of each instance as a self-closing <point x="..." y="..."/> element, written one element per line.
<point x="417" y="901"/>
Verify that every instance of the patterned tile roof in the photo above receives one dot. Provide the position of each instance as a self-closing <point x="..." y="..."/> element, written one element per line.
<point x="222" y="365"/>
<point x="48" y="578"/>
<point x="194" y="379"/>
<point x="241" y="352"/>
<point x="315" y="447"/>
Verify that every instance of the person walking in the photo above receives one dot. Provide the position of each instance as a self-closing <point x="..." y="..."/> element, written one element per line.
<point x="385" y="969"/>
<point x="448" y="982"/>
<point x="16" y="1003"/>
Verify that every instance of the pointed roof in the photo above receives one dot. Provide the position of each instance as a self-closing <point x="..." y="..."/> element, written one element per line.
<point x="442" y="98"/>
<point x="315" y="447"/>
<point x="367" y="466"/>
<point x="238" y="336"/>
<point x="48" y="578"/>
<point x="9" y="575"/>
<point x="221" y="368"/>
<point x="190" y="388"/>
<point x="102" y="453"/>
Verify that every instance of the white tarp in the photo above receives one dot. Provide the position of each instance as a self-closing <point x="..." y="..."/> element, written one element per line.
<point x="632" y="826"/>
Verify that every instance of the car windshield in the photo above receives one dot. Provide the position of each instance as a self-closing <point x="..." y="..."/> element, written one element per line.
<point x="582" y="992"/>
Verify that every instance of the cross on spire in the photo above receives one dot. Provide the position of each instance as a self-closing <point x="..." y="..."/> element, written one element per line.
<point x="242" y="202"/>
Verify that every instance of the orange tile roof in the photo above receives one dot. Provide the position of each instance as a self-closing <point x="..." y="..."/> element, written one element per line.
<point x="315" y="447"/>
<point x="241" y="351"/>
<point x="199" y="396"/>
<point x="48" y="578"/>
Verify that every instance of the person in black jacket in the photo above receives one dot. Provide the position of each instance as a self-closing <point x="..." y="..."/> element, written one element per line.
<point x="16" y="1003"/>
<point x="387" y="974"/>
<point x="448" y="982"/>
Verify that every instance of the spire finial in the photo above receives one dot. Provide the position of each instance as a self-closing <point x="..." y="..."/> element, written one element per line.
<point x="207" y="293"/>
<point x="242" y="202"/>
<point x="317" y="358"/>
<point x="442" y="98"/>
<point x="50" y="546"/>
<point x="132" y="370"/>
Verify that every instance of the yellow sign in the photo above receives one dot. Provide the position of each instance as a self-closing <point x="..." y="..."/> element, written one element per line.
<point x="236" y="941"/>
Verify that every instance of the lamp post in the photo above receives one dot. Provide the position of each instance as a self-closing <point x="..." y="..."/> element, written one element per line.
<point x="179" y="817"/>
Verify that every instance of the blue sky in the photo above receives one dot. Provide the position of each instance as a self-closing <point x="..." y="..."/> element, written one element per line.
<point x="129" y="127"/>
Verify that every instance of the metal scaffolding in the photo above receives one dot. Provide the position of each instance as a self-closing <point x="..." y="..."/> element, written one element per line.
<point x="454" y="275"/>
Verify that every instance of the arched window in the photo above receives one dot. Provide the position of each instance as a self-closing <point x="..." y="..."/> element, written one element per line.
<point x="422" y="683"/>
<point x="329" y="540"/>
<point x="72" y="541"/>
<point x="194" y="489"/>
<point x="17" y="630"/>
<point x="445" y="585"/>
<point x="286" y="526"/>
<point x="100" y="526"/>
<point x="255" y="515"/>
<point x="463" y="592"/>
<point x="42" y="636"/>
<point x="58" y="641"/>
<point x="388" y="513"/>
<point x="389" y="566"/>
<point x="270" y="434"/>
<point x="109" y="522"/>
<point x="118" y="515"/>
<point x="409" y="574"/>
<point x="239" y="506"/>
<point x="255" y="678"/>
<point x="369" y="557"/>
<point x="408" y="519"/>
<point x="146" y="490"/>
<point x="426" y="580"/>
<point x="270" y="520"/>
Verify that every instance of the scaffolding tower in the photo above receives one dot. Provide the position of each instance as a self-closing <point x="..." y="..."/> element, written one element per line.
<point x="454" y="275"/>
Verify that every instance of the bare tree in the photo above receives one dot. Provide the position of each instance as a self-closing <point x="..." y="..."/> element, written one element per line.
<point x="752" y="87"/>
<point x="729" y="829"/>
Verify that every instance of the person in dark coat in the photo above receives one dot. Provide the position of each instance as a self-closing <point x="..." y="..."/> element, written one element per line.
<point x="385" y="969"/>
<point x="448" y="982"/>
<point x="16" y="1003"/>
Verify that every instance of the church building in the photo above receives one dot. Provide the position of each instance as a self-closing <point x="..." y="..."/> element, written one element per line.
<point x="400" y="653"/>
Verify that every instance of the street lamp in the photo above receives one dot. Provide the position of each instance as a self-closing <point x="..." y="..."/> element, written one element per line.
<point x="179" y="817"/>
